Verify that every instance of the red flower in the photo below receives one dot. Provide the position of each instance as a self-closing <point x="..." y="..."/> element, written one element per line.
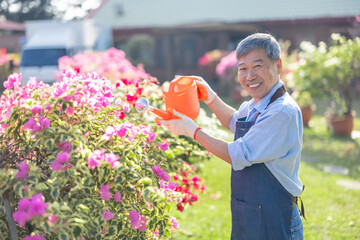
<point x="180" y="207"/>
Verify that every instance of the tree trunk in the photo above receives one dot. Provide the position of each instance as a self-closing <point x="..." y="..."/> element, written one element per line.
<point x="348" y="99"/>
<point x="10" y="220"/>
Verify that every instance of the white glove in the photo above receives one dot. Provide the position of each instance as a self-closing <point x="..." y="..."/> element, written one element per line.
<point x="184" y="126"/>
<point x="210" y="93"/>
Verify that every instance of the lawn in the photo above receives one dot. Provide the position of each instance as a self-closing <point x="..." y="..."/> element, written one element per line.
<point x="332" y="211"/>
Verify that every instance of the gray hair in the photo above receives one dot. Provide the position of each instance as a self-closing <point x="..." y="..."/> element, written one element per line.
<point x="259" y="40"/>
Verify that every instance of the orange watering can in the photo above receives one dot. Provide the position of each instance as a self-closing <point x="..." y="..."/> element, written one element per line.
<point x="182" y="94"/>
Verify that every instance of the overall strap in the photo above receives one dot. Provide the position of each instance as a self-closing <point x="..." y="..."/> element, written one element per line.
<point x="279" y="92"/>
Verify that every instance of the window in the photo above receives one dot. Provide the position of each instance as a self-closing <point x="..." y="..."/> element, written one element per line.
<point x="42" y="57"/>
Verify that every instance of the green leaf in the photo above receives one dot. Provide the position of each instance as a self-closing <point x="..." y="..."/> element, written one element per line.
<point x="146" y="181"/>
<point x="55" y="193"/>
<point x="83" y="207"/>
<point x="112" y="231"/>
<point x="79" y="220"/>
<point x="168" y="207"/>
<point x="119" y="179"/>
<point x="40" y="187"/>
<point x="77" y="231"/>
<point x="63" y="236"/>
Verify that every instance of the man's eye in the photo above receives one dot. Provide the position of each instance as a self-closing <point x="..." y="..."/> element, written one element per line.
<point x="242" y="69"/>
<point x="258" y="66"/>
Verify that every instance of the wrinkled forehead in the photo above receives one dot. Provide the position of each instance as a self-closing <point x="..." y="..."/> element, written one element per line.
<point x="254" y="55"/>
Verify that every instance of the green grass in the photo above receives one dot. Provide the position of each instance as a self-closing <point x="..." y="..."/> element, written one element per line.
<point x="332" y="211"/>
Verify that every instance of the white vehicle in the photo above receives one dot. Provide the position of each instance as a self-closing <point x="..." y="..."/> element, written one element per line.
<point x="48" y="40"/>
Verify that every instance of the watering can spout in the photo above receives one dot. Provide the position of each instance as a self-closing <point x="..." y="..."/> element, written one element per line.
<point x="166" y="115"/>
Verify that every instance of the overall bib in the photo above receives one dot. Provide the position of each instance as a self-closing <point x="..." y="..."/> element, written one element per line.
<point x="261" y="207"/>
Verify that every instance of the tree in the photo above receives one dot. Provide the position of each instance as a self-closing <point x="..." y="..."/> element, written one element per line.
<point x="24" y="10"/>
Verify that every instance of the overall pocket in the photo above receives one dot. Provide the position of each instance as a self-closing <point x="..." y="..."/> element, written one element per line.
<point x="246" y="220"/>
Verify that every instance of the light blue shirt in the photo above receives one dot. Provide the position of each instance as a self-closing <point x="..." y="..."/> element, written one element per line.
<point x="275" y="139"/>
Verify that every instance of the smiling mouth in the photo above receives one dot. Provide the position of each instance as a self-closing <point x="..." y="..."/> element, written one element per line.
<point x="254" y="85"/>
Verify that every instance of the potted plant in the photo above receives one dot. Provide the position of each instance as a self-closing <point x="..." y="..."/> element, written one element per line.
<point x="296" y="85"/>
<point x="328" y="72"/>
<point x="305" y="102"/>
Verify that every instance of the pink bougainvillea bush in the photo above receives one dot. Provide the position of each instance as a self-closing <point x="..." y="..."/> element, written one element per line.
<point x="78" y="162"/>
<point x="111" y="64"/>
<point x="227" y="67"/>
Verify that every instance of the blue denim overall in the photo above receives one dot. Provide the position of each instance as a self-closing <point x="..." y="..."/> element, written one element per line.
<point x="261" y="207"/>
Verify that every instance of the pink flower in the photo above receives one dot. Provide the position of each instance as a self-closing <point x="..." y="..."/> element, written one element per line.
<point x="34" y="126"/>
<point x="117" y="197"/>
<point x="100" y="156"/>
<point x="112" y="159"/>
<point x="172" y="186"/>
<point x="34" y="237"/>
<point x="44" y="123"/>
<point x="118" y="101"/>
<point x="21" y="216"/>
<point x="137" y="221"/>
<point x="105" y="193"/>
<point x="65" y="146"/>
<point x="174" y="222"/>
<point x="69" y="111"/>
<point x="151" y="137"/>
<point x="62" y="157"/>
<point x="126" y="107"/>
<point x="142" y="227"/>
<point x="23" y="170"/>
<point x="160" y="173"/>
<point x="121" y="130"/>
<point x="53" y="219"/>
<point x="109" y="132"/>
<point x="107" y="215"/>
<point x="57" y="166"/>
<point x="164" y="146"/>
<point x="134" y="216"/>
<point x="30" y="123"/>
<point x="37" y="109"/>
<point x="38" y="206"/>
<point x="94" y="160"/>
<point x="27" y="209"/>
<point x="14" y="81"/>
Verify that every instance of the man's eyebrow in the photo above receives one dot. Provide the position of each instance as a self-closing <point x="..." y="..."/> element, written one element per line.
<point x="256" y="60"/>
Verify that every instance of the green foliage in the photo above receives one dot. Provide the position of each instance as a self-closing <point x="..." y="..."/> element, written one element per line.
<point x="327" y="71"/>
<point x="72" y="194"/>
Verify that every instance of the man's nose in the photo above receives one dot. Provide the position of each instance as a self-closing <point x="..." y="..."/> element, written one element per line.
<point x="250" y="75"/>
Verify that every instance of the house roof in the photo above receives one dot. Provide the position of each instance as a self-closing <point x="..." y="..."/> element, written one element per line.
<point x="9" y="25"/>
<point x="167" y="13"/>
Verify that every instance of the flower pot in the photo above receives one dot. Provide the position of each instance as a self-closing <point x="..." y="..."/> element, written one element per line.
<point x="307" y="113"/>
<point x="341" y="125"/>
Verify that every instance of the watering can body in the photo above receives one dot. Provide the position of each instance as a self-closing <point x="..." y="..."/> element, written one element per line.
<point x="182" y="94"/>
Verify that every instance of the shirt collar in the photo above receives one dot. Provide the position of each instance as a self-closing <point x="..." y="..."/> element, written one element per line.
<point x="262" y="103"/>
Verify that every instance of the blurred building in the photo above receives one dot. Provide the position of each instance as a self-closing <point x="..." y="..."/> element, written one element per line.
<point x="11" y="34"/>
<point x="170" y="36"/>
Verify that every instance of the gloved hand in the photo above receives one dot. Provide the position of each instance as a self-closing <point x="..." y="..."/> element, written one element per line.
<point x="201" y="83"/>
<point x="184" y="126"/>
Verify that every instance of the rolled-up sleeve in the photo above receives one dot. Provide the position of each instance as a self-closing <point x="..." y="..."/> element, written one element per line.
<point x="266" y="140"/>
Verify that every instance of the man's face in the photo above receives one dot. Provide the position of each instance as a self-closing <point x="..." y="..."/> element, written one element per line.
<point x="257" y="74"/>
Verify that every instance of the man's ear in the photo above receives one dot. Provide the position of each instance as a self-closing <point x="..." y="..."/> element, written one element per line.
<point x="279" y="66"/>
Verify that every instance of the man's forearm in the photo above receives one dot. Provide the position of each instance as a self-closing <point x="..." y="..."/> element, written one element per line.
<point x="222" y="111"/>
<point x="216" y="146"/>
